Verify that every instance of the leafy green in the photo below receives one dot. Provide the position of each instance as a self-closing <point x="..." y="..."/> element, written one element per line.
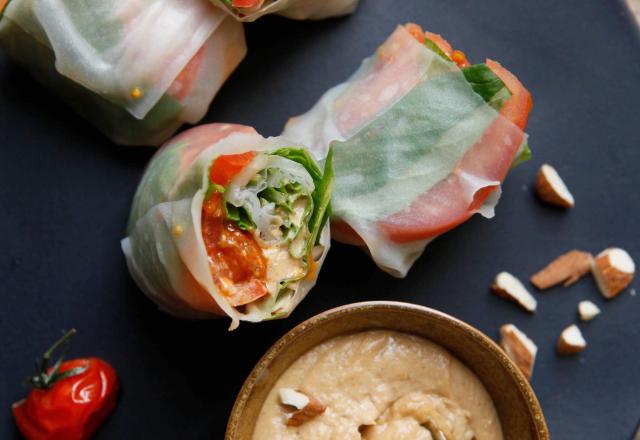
<point x="524" y="154"/>
<point x="481" y="79"/>
<point x="434" y="47"/>
<point x="240" y="215"/>
<point x="486" y="84"/>
<point x="323" y="183"/>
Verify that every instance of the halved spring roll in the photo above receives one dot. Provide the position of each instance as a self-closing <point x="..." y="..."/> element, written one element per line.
<point x="226" y="222"/>
<point x="422" y="140"/>
<point x="137" y="70"/>
<point x="250" y="10"/>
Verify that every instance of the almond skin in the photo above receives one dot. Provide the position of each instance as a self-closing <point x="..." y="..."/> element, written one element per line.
<point x="570" y="341"/>
<point x="551" y="189"/>
<point x="567" y="268"/>
<point x="313" y="409"/>
<point x="509" y="287"/>
<point x="520" y="349"/>
<point x="613" y="270"/>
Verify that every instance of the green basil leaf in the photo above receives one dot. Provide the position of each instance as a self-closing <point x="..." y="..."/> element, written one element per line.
<point x="485" y="83"/>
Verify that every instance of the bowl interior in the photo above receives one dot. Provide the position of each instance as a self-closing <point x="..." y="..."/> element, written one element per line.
<point x="518" y="409"/>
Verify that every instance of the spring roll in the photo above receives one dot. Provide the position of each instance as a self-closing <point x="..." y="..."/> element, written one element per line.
<point x="422" y="140"/>
<point x="137" y="70"/>
<point x="228" y="223"/>
<point x="250" y="10"/>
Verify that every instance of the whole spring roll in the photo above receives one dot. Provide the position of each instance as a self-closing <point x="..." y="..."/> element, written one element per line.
<point x="250" y="10"/>
<point x="136" y="69"/>
<point x="226" y="222"/>
<point x="422" y="140"/>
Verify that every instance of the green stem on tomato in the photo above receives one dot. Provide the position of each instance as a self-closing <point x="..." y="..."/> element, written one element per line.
<point x="45" y="379"/>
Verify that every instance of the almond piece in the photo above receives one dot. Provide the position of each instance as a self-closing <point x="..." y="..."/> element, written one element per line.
<point x="613" y="270"/>
<point x="509" y="287"/>
<point x="567" y="268"/>
<point x="588" y="310"/>
<point x="306" y="407"/>
<point x="571" y="341"/>
<point x="520" y="349"/>
<point x="551" y="189"/>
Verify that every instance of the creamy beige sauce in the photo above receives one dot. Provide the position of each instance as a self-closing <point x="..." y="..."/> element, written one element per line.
<point x="382" y="385"/>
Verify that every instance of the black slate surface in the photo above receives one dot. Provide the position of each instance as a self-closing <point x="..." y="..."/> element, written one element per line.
<point x="65" y="193"/>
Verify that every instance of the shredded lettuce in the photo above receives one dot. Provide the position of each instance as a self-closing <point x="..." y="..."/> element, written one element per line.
<point x="323" y="182"/>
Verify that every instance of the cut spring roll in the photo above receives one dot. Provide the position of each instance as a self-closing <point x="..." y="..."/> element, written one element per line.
<point x="226" y="222"/>
<point x="422" y="140"/>
<point x="136" y="69"/>
<point x="250" y="10"/>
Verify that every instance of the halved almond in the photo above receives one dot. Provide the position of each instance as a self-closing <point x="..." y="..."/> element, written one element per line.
<point x="571" y="341"/>
<point x="520" y="349"/>
<point x="509" y="287"/>
<point x="551" y="188"/>
<point x="306" y="407"/>
<point x="588" y="310"/>
<point x="567" y="268"/>
<point x="613" y="270"/>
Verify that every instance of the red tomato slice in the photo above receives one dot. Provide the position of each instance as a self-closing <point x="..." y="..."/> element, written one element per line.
<point x="518" y="107"/>
<point x="201" y="137"/>
<point x="182" y="85"/>
<point x="246" y="3"/>
<point x="3" y="4"/>
<point x="443" y="207"/>
<point x="226" y="167"/>
<point x="236" y="261"/>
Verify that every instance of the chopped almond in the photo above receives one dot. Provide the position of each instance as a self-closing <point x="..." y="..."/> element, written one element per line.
<point x="550" y="188"/>
<point x="520" y="349"/>
<point x="571" y="341"/>
<point x="613" y="270"/>
<point x="509" y="287"/>
<point x="306" y="407"/>
<point x="588" y="310"/>
<point x="567" y="269"/>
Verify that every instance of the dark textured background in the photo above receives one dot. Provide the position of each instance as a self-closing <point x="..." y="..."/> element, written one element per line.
<point x="65" y="193"/>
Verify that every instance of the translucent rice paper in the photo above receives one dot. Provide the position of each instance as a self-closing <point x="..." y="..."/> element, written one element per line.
<point x="136" y="69"/>
<point x="165" y="250"/>
<point x="412" y="142"/>
<point x="296" y="9"/>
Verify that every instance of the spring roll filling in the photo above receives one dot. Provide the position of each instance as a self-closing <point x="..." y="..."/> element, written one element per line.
<point x="256" y="233"/>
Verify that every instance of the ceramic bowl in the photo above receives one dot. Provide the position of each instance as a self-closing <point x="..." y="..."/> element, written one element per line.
<point x="518" y="408"/>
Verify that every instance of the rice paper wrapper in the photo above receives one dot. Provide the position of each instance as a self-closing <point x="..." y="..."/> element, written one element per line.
<point x="128" y="67"/>
<point x="412" y="143"/>
<point x="295" y="9"/>
<point x="164" y="248"/>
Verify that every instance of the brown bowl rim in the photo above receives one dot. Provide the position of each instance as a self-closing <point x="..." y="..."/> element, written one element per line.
<point x="533" y="405"/>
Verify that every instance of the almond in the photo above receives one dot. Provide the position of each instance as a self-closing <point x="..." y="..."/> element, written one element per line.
<point x="550" y="188"/>
<point x="571" y="341"/>
<point x="567" y="268"/>
<point x="613" y="270"/>
<point x="509" y="287"/>
<point x="306" y="407"/>
<point x="520" y="349"/>
<point x="588" y="310"/>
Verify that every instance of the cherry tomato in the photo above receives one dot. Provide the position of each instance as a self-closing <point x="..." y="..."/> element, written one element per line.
<point x="70" y="400"/>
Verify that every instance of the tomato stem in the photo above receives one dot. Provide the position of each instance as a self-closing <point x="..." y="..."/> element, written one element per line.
<point x="46" y="377"/>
